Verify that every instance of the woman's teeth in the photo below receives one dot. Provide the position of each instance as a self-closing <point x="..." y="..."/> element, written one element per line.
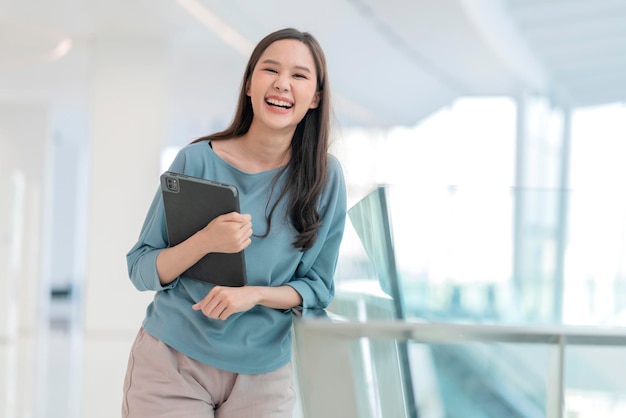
<point x="279" y="103"/>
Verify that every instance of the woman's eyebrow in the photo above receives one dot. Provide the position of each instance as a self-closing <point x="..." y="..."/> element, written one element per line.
<point x="300" y="67"/>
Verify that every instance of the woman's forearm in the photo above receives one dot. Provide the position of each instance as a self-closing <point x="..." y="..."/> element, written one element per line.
<point x="281" y="297"/>
<point x="173" y="261"/>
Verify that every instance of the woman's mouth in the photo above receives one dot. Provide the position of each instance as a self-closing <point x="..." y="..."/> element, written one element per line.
<point x="279" y="103"/>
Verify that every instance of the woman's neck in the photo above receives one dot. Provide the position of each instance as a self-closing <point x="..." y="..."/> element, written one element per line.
<point x="254" y="152"/>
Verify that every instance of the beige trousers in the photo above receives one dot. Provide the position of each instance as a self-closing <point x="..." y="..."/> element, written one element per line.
<point x="164" y="383"/>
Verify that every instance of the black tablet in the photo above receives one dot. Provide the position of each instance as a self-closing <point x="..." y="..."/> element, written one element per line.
<point x="190" y="204"/>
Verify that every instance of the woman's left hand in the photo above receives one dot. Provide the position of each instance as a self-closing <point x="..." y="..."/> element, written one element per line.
<point x="223" y="301"/>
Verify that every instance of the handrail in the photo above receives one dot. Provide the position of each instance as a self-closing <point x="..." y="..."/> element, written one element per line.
<point x="432" y="332"/>
<point x="323" y="351"/>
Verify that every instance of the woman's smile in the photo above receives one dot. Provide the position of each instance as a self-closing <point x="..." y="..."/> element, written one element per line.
<point x="279" y="104"/>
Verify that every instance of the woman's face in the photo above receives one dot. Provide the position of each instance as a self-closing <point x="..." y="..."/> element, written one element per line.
<point x="283" y="85"/>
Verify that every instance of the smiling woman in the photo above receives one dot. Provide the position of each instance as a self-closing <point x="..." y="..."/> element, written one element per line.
<point x="226" y="351"/>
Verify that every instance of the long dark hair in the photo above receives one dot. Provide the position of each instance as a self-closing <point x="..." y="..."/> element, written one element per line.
<point x="309" y="145"/>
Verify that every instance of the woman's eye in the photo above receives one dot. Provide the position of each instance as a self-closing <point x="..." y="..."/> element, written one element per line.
<point x="300" y="76"/>
<point x="271" y="70"/>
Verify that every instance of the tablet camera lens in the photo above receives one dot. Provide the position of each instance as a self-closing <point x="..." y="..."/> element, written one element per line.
<point x="172" y="184"/>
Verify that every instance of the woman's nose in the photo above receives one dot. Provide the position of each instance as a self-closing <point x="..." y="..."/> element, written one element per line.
<point x="281" y="83"/>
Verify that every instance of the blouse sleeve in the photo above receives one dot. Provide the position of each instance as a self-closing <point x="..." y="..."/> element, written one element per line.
<point x="314" y="278"/>
<point x="141" y="258"/>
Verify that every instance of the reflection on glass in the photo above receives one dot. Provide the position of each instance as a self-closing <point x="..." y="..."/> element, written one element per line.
<point x="370" y="219"/>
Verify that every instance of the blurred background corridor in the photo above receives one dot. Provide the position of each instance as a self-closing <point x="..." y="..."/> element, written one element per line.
<point x="497" y="126"/>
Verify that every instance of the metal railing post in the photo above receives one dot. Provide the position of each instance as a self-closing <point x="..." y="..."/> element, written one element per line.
<point x="555" y="398"/>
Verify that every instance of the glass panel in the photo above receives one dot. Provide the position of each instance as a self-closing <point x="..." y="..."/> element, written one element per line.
<point x="594" y="382"/>
<point x="484" y="380"/>
<point x="453" y="248"/>
<point x="358" y="291"/>
<point x="462" y="371"/>
<point x="371" y="223"/>
<point x="370" y="219"/>
<point x="595" y="261"/>
<point x="461" y="253"/>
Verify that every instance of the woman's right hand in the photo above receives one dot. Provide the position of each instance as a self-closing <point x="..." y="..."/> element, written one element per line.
<point x="228" y="233"/>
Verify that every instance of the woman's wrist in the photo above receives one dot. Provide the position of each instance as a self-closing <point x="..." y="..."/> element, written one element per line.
<point x="281" y="297"/>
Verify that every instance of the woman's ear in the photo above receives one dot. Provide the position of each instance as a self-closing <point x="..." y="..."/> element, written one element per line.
<point x="316" y="100"/>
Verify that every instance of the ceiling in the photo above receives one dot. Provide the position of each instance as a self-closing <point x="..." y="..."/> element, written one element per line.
<point x="391" y="62"/>
<point x="580" y="43"/>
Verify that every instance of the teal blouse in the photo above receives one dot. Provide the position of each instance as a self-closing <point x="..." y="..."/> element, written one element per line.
<point x="259" y="340"/>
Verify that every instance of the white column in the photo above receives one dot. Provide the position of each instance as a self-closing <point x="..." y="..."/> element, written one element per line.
<point x="23" y="149"/>
<point x="126" y="141"/>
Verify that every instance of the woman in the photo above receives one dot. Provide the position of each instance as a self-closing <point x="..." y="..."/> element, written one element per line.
<point x="205" y="350"/>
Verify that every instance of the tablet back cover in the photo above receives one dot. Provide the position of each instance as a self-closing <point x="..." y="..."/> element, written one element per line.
<point x="190" y="204"/>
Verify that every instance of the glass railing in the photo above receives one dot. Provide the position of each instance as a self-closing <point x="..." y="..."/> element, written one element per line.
<point x="468" y="257"/>
<point x="351" y="369"/>
<point x="524" y="256"/>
